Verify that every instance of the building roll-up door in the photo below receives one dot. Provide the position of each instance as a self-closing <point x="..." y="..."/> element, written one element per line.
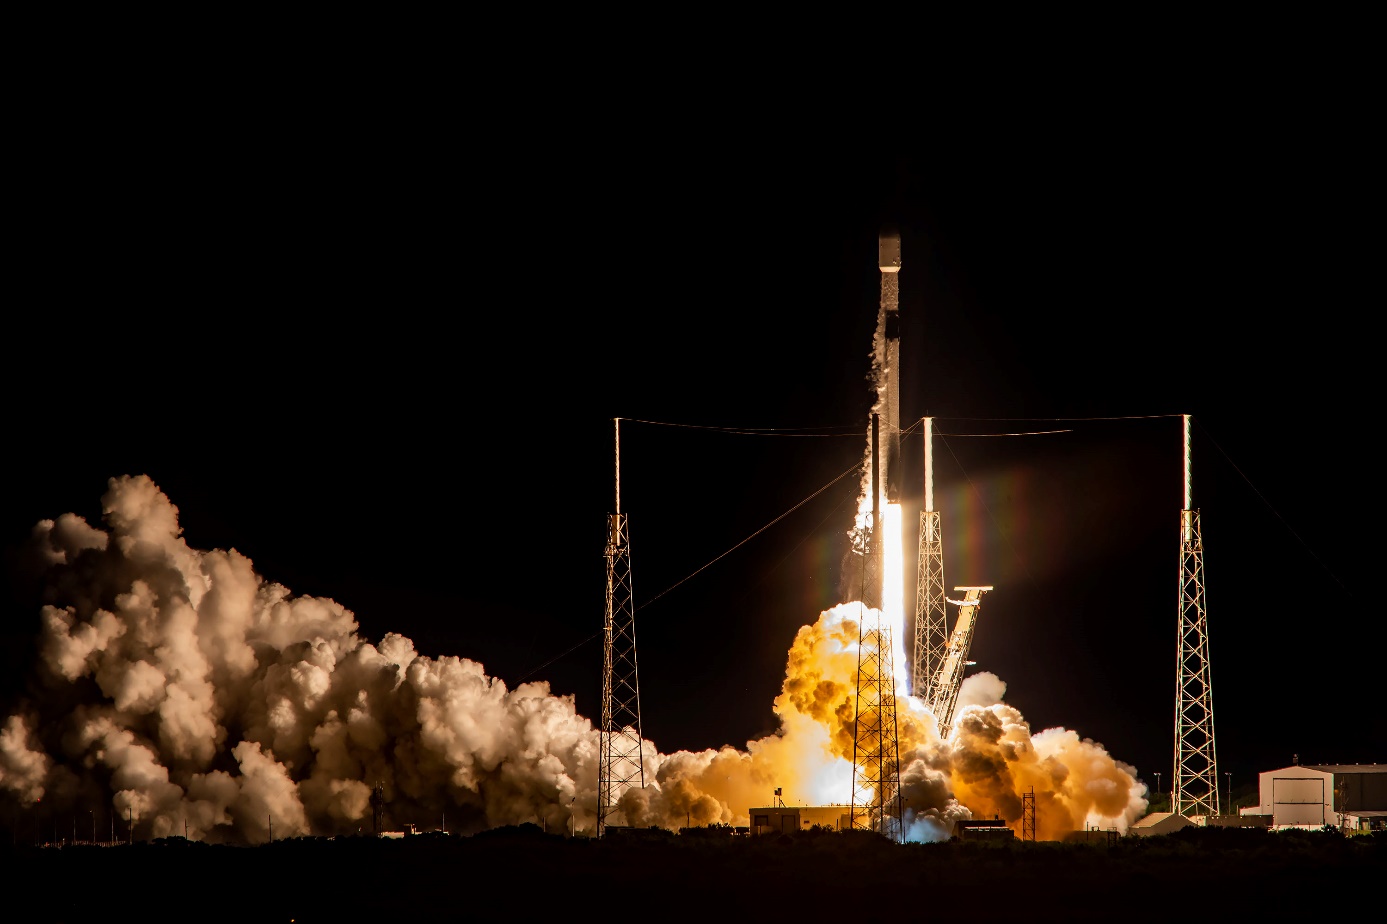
<point x="1297" y="801"/>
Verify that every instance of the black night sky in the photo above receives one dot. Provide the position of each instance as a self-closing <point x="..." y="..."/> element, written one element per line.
<point x="378" y="351"/>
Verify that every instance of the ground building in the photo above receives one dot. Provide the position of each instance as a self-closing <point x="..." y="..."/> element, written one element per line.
<point x="1158" y="823"/>
<point x="787" y="819"/>
<point x="1352" y="796"/>
<point x="983" y="829"/>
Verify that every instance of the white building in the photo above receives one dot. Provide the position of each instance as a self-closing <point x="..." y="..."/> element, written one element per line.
<point x="1158" y="823"/>
<point x="1315" y="795"/>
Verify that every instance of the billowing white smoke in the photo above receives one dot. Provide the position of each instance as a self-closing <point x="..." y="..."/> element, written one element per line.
<point x="180" y="687"/>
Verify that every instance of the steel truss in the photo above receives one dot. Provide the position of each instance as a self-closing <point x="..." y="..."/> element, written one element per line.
<point x="876" y="761"/>
<point x="620" y="765"/>
<point x="1195" y="791"/>
<point x="876" y="777"/>
<point x="931" y="626"/>
<point x="950" y="674"/>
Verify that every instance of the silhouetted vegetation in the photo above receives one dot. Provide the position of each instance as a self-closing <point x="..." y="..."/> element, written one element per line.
<point x="522" y="873"/>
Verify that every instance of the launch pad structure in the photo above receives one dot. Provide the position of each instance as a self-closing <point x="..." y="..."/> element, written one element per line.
<point x="931" y="628"/>
<point x="939" y="657"/>
<point x="1194" y="790"/>
<point x="620" y="762"/>
<point x="949" y="676"/>
<point x="876" y="773"/>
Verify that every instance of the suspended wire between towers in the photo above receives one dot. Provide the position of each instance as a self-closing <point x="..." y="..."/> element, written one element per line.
<point x="855" y="467"/>
<point x="831" y="431"/>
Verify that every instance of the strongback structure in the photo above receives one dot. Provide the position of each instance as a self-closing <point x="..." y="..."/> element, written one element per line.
<point x="876" y="777"/>
<point x="950" y="674"/>
<point x="1195" y="788"/>
<point x="931" y="626"/>
<point x="619" y="762"/>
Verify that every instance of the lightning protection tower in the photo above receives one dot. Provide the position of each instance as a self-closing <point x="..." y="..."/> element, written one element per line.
<point x="1195" y="788"/>
<point x="931" y="627"/>
<point x="619" y="761"/>
<point x="876" y="775"/>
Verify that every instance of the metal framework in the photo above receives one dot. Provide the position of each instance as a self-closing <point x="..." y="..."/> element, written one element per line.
<point x="620" y="764"/>
<point x="1340" y="803"/>
<point x="377" y="808"/>
<point x="1028" y="815"/>
<point x="1195" y="789"/>
<point x="950" y="675"/>
<point x="876" y="776"/>
<point x="931" y="623"/>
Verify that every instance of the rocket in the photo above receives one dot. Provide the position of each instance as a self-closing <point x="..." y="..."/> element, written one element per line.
<point x="889" y="262"/>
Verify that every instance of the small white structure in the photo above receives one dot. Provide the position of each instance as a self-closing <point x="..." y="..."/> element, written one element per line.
<point x="1158" y="823"/>
<point x="1365" y="820"/>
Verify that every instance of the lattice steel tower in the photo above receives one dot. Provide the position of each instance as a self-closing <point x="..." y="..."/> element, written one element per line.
<point x="1195" y="790"/>
<point x="619" y="763"/>
<point x="931" y="621"/>
<point x="876" y="775"/>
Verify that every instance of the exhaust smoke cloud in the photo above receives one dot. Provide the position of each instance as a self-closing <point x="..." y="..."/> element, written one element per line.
<point x="178" y="686"/>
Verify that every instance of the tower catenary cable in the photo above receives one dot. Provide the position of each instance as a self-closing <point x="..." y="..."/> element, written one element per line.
<point x="1195" y="788"/>
<point x="620" y="766"/>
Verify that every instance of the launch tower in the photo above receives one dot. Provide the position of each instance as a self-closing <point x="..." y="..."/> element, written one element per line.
<point x="1195" y="788"/>
<point x="876" y="796"/>
<point x="931" y="627"/>
<point x="619" y="762"/>
<point x="876" y="776"/>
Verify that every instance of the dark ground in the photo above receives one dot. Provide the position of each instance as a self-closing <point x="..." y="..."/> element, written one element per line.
<point x="522" y="874"/>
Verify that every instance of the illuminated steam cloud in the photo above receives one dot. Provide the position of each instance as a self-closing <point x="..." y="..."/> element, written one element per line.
<point x="178" y="685"/>
<point x="181" y="687"/>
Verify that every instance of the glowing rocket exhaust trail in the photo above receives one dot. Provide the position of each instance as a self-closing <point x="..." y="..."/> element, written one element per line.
<point x="889" y="532"/>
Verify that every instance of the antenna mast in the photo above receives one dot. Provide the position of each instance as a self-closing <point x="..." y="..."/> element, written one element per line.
<point x="619" y="763"/>
<point x="1195" y="787"/>
<point x="931" y="621"/>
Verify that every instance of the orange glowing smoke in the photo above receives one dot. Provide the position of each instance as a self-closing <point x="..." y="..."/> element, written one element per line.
<point x="180" y="686"/>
